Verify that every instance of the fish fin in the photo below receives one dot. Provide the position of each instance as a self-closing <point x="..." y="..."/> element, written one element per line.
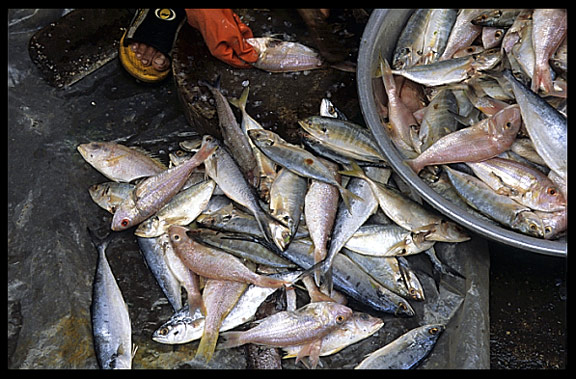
<point x="347" y="195"/>
<point x="100" y="243"/>
<point x="312" y="351"/>
<point x="353" y="170"/>
<point x="196" y="302"/>
<point x="207" y="345"/>
<point x="240" y="102"/>
<point x="230" y="339"/>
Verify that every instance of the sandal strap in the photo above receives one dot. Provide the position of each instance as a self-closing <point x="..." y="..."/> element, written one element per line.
<point x="155" y="27"/>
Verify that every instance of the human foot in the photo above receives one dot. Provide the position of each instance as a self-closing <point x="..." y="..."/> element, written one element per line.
<point x="148" y="55"/>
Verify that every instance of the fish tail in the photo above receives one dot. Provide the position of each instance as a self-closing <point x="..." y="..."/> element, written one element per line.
<point x="207" y="345"/>
<point x="240" y="102"/>
<point x="215" y="84"/>
<point x="231" y="339"/>
<point x="266" y="281"/>
<point x="319" y="255"/>
<point x="100" y="243"/>
<point x="347" y="196"/>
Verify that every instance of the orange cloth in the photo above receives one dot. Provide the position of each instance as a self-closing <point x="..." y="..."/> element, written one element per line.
<point x="225" y="35"/>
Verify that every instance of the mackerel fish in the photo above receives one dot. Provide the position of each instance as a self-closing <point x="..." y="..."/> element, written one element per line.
<point x="405" y="352"/>
<point x="110" y="317"/>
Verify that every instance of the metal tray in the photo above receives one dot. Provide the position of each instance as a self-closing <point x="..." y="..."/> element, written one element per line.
<point x="380" y="34"/>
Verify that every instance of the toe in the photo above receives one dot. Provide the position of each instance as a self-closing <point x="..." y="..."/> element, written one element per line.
<point x="160" y="62"/>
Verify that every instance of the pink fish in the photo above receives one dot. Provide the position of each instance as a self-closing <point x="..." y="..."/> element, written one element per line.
<point x="483" y="140"/>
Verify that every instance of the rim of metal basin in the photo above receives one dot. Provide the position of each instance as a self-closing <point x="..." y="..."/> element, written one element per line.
<point x="384" y="26"/>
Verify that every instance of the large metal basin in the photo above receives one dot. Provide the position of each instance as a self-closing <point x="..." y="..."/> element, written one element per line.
<point x="380" y="35"/>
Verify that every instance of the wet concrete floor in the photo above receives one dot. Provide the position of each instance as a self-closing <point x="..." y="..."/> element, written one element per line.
<point x="49" y="207"/>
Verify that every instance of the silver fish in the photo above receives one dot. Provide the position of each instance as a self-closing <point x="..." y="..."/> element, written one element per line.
<point x="153" y="251"/>
<point x="522" y="183"/>
<point x="345" y="137"/>
<point x="438" y="28"/>
<point x="451" y="71"/>
<point x="109" y="195"/>
<point x="224" y="170"/>
<point x="275" y="55"/>
<point x="405" y="352"/>
<point x="385" y="270"/>
<point x="296" y="159"/>
<point x="320" y="207"/>
<point x="387" y="241"/>
<point x="497" y="17"/>
<point x="547" y="128"/>
<point x="234" y="138"/>
<point x="348" y="220"/>
<point x="438" y="120"/>
<point x="328" y="109"/>
<point x="110" y="317"/>
<point x="287" y="198"/>
<point x="181" y="210"/>
<point x="498" y="207"/>
<point x="409" y="214"/>
<point x="349" y="278"/>
<point x="118" y="162"/>
<point x="267" y="167"/>
<point x="248" y="250"/>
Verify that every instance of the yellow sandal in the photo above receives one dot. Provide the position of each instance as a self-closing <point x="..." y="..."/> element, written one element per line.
<point x="153" y="27"/>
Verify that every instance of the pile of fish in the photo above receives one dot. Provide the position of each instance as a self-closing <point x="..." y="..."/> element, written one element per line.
<point x="475" y="100"/>
<point x="232" y="221"/>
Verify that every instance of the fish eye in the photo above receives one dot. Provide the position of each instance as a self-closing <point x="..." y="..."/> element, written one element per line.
<point x="125" y="222"/>
<point x="508" y="125"/>
<point x="547" y="230"/>
<point x="552" y="191"/>
<point x="533" y="226"/>
<point x="323" y="129"/>
<point x="433" y="330"/>
<point x="176" y="237"/>
<point x="340" y="319"/>
<point x="163" y="331"/>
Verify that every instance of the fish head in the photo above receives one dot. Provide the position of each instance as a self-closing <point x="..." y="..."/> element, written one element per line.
<point x="314" y="125"/>
<point x="262" y="137"/>
<point x="93" y="151"/>
<point x="337" y="314"/>
<point x="152" y="227"/>
<point x="178" y="235"/>
<point x="506" y="123"/>
<point x="366" y="324"/>
<point x="529" y="223"/>
<point x="550" y="197"/>
<point x="177" y="331"/>
<point x="125" y="216"/>
<point x="553" y="222"/>
<point x="434" y="330"/>
<point x="447" y="231"/>
<point x="209" y="144"/>
<point x="281" y="235"/>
